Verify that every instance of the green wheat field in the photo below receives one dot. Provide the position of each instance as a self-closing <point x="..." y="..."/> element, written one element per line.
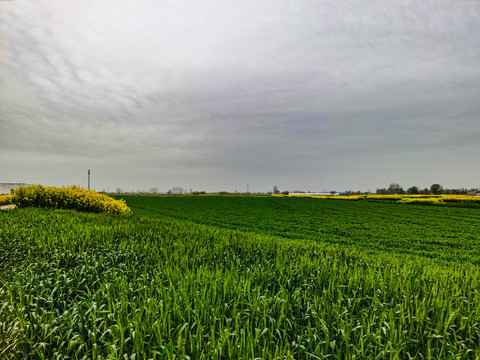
<point x="241" y="277"/>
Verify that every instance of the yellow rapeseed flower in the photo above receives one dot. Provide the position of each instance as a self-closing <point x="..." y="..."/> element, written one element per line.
<point x="71" y="197"/>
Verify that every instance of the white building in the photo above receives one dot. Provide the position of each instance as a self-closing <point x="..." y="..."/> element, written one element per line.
<point x="7" y="188"/>
<point x="323" y="193"/>
<point x="176" y="190"/>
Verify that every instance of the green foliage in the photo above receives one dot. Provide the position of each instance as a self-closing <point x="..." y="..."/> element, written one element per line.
<point x="436" y="189"/>
<point x="94" y="286"/>
<point x="413" y="190"/>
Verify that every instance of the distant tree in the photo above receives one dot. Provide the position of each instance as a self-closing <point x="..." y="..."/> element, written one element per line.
<point x="395" y="189"/>
<point x="459" y="191"/>
<point x="275" y="189"/>
<point x="381" y="191"/>
<point x="436" y="189"/>
<point x="413" y="190"/>
<point x="333" y="192"/>
<point x="285" y="192"/>
<point x="425" y="191"/>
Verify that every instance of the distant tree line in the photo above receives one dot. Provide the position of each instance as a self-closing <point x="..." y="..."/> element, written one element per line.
<point x="435" y="189"/>
<point x="393" y="188"/>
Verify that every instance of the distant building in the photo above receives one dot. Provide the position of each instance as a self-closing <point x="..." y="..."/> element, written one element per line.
<point x="314" y="193"/>
<point x="176" y="190"/>
<point x="7" y="188"/>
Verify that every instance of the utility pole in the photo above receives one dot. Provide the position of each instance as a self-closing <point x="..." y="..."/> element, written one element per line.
<point x="88" y="179"/>
<point x="247" y="188"/>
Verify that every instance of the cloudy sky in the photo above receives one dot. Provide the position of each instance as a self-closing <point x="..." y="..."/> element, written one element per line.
<point x="212" y="95"/>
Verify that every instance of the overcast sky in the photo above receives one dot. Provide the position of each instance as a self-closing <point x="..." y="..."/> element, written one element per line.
<point x="212" y="95"/>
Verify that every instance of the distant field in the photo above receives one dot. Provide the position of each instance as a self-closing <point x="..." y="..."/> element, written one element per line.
<point x="308" y="279"/>
<point x="437" y="200"/>
<point x="442" y="233"/>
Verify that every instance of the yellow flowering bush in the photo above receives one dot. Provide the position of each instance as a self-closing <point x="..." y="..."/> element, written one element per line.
<point x="71" y="197"/>
<point x="340" y="197"/>
<point x="461" y="198"/>
<point x="385" y="197"/>
<point x="422" y="201"/>
<point x="6" y="199"/>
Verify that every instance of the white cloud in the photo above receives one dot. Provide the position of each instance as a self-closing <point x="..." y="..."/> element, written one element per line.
<point x="241" y="87"/>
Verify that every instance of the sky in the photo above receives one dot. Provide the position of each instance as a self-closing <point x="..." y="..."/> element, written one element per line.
<point x="214" y="95"/>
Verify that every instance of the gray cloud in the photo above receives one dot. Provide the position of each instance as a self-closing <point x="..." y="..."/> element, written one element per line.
<point x="333" y="94"/>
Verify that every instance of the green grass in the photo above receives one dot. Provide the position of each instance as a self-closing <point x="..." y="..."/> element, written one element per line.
<point x="97" y="286"/>
<point x="442" y="234"/>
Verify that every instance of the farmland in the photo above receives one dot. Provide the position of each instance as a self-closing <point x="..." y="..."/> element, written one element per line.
<point x="241" y="277"/>
<point x="451" y="234"/>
